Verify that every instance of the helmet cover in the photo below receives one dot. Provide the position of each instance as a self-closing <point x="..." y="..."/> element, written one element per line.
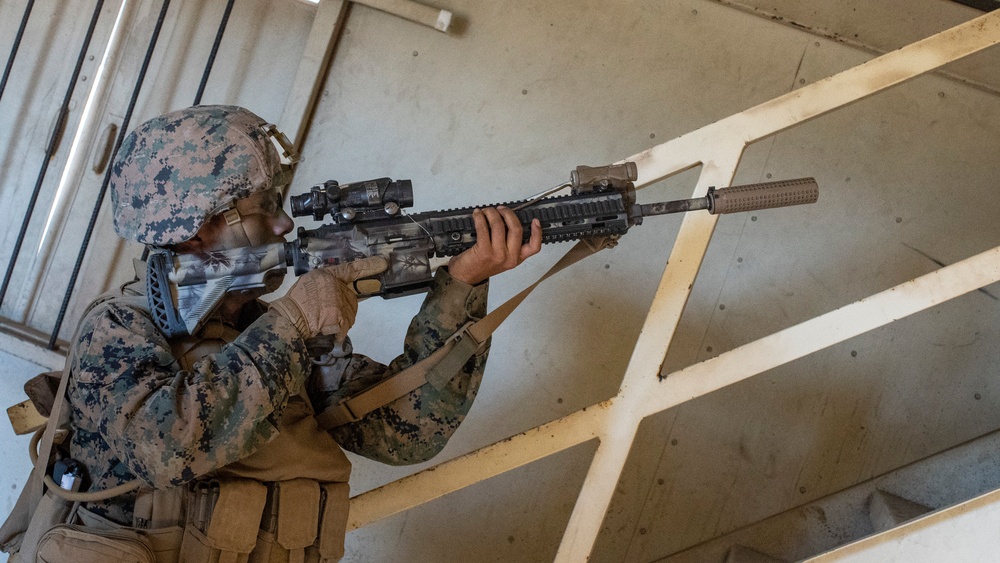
<point x="175" y="171"/>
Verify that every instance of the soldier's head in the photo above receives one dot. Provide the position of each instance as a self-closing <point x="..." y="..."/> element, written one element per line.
<point x="202" y="178"/>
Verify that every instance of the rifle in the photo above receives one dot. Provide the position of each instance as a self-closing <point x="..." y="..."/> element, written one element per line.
<point x="368" y="220"/>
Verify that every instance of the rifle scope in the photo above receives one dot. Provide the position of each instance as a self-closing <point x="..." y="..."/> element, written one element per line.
<point x="370" y="199"/>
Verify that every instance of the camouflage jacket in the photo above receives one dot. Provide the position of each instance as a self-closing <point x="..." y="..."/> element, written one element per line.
<point x="135" y="414"/>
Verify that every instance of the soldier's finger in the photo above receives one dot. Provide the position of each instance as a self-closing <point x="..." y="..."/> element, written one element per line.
<point x="498" y="242"/>
<point x="482" y="227"/>
<point x="358" y="269"/>
<point x="514" y="233"/>
<point x="534" y="244"/>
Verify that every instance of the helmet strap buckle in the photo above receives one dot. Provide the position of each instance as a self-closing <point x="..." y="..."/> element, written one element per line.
<point x="232" y="216"/>
<point x="286" y="151"/>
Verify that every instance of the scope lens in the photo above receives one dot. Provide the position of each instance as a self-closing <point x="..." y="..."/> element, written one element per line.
<point x="301" y="205"/>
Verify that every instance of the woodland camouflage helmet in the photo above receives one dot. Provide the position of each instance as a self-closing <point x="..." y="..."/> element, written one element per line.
<point x="175" y="171"/>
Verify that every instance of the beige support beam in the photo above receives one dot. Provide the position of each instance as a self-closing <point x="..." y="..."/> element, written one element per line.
<point x="302" y="96"/>
<point x="535" y="444"/>
<point x="717" y="148"/>
<point x="413" y="11"/>
<point x="825" y="330"/>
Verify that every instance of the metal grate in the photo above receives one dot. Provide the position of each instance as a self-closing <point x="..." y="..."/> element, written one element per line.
<point x="4" y="286"/>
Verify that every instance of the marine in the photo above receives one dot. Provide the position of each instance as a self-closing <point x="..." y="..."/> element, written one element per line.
<point x="219" y="430"/>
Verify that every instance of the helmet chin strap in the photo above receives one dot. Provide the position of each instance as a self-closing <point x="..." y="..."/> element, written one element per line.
<point x="238" y="236"/>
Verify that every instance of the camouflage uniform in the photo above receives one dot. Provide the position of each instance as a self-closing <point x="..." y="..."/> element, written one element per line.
<point x="137" y="413"/>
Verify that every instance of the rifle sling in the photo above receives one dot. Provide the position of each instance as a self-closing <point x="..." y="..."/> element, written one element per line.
<point x="440" y="367"/>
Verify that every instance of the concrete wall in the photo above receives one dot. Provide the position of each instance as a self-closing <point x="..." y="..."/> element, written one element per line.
<point x="528" y="91"/>
<point x="519" y="94"/>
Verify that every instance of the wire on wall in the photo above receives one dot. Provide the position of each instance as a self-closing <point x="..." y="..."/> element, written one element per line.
<point x="17" y="44"/>
<point x="107" y="175"/>
<point x="50" y="150"/>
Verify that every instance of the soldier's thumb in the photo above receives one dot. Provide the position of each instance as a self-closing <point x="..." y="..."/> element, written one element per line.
<point x="359" y="269"/>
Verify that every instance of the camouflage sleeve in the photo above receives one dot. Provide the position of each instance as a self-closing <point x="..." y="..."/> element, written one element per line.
<point x="417" y="426"/>
<point x="168" y="425"/>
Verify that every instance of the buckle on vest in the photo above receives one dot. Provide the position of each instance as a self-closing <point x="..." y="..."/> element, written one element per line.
<point x="466" y="335"/>
<point x="464" y="345"/>
<point x="346" y="413"/>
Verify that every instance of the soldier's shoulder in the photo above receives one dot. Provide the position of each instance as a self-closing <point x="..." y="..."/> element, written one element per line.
<point x="114" y="328"/>
<point x="117" y="309"/>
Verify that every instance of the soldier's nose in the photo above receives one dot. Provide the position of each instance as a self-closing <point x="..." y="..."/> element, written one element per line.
<point x="283" y="224"/>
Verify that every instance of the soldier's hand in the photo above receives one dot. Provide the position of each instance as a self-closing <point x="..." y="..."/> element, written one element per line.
<point x="498" y="245"/>
<point x="323" y="302"/>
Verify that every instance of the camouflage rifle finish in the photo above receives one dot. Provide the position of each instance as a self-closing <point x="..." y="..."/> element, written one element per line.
<point x="368" y="221"/>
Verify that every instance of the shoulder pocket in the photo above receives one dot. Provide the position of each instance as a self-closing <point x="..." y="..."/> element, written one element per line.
<point x="86" y="545"/>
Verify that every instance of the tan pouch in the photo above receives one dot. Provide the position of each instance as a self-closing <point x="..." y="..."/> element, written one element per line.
<point x="164" y="541"/>
<point x="329" y="546"/>
<point x="51" y="511"/>
<point x="67" y="542"/>
<point x="159" y="508"/>
<point x="290" y="523"/>
<point x="232" y="531"/>
<point x="298" y="516"/>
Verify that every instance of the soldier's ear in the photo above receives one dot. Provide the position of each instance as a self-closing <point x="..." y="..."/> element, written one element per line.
<point x="205" y="238"/>
<point x="193" y="244"/>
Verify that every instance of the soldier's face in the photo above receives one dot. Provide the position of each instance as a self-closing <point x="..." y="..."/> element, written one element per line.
<point x="263" y="217"/>
<point x="262" y="221"/>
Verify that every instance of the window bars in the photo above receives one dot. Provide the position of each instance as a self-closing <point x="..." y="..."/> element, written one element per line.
<point x="122" y="131"/>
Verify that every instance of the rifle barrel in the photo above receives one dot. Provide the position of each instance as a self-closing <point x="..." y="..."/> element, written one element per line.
<point x="737" y="199"/>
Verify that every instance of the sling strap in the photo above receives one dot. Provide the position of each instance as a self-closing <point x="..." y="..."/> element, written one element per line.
<point x="440" y="367"/>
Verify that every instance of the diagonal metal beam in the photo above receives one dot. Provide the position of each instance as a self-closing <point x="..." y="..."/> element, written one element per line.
<point x="825" y="330"/>
<point x="527" y="447"/>
<point x="684" y="385"/>
<point x="717" y="148"/>
<point x="796" y="107"/>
